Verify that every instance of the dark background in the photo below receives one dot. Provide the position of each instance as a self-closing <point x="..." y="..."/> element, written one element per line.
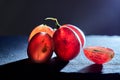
<point x="98" y="17"/>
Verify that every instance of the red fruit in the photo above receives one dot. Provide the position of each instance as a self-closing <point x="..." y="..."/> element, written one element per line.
<point x="78" y="31"/>
<point x="68" y="39"/>
<point x="98" y="54"/>
<point x="40" y="47"/>
<point x="66" y="43"/>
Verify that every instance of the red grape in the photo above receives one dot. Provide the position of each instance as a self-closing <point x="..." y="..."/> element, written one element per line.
<point x="98" y="54"/>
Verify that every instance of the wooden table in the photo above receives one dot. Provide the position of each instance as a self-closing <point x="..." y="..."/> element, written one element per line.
<point x="14" y="62"/>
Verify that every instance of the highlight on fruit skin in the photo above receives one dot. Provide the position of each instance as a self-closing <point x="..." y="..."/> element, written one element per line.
<point x="99" y="54"/>
<point x="41" y="28"/>
<point x="78" y="31"/>
<point x="40" y="47"/>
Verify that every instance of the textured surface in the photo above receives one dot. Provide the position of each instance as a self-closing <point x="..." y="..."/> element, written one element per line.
<point x="81" y="63"/>
<point x="13" y="58"/>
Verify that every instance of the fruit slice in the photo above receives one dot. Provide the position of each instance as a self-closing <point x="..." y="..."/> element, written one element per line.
<point x="40" y="47"/>
<point x="98" y="54"/>
<point x="41" y="28"/>
<point x="66" y="43"/>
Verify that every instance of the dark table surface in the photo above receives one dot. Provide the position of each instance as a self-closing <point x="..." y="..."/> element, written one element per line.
<point x="14" y="62"/>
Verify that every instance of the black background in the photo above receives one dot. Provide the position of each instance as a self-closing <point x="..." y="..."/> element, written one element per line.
<point x="92" y="16"/>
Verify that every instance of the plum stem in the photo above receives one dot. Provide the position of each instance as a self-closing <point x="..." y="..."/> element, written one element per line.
<point x="54" y="19"/>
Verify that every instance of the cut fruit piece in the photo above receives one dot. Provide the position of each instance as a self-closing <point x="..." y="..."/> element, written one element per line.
<point x="98" y="54"/>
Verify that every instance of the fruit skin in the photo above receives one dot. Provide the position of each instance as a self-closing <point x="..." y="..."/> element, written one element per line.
<point x="41" y="28"/>
<point x="78" y="31"/>
<point x="66" y="43"/>
<point x="40" y="47"/>
<point x="98" y="54"/>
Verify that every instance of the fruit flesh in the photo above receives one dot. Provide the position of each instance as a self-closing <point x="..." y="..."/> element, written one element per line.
<point x="40" y="47"/>
<point x="99" y="54"/>
<point x="41" y="28"/>
<point x="66" y="43"/>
